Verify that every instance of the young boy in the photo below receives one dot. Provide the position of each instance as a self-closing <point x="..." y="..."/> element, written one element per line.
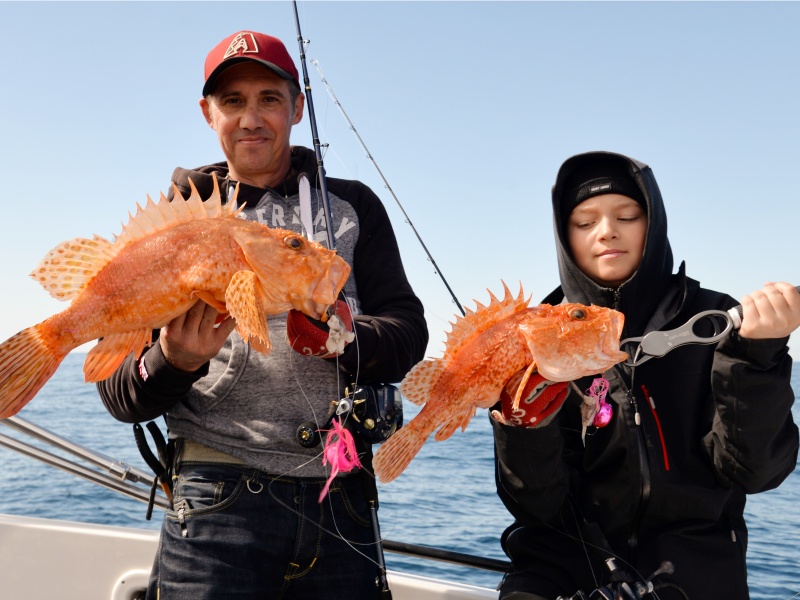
<point x="691" y="433"/>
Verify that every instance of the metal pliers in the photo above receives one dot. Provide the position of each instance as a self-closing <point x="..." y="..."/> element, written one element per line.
<point x="657" y="343"/>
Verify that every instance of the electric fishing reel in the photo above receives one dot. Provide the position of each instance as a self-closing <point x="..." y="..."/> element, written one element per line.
<point x="623" y="586"/>
<point x="371" y="412"/>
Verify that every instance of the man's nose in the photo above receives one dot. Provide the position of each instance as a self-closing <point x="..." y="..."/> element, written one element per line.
<point x="251" y="118"/>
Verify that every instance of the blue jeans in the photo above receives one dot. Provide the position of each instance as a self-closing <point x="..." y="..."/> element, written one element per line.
<point x="236" y="532"/>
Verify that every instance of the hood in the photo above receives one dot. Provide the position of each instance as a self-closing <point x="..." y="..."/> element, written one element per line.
<point x="303" y="161"/>
<point x="638" y="297"/>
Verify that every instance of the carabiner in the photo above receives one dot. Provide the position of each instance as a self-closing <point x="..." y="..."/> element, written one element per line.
<point x="657" y="343"/>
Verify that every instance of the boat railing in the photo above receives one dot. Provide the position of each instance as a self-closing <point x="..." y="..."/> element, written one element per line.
<point x="136" y="483"/>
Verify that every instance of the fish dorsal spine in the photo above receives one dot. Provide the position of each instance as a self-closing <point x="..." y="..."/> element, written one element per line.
<point x="69" y="267"/>
<point x="484" y="317"/>
<point x="165" y="214"/>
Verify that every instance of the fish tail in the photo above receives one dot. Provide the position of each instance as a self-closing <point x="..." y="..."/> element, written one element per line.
<point x="396" y="453"/>
<point x="26" y="363"/>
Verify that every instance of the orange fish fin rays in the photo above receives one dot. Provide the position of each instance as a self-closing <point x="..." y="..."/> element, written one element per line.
<point x="67" y="269"/>
<point x="109" y="353"/>
<point x="395" y="454"/>
<point x="26" y="363"/>
<point x="458" y="420"/>
<point x="476" y="322"/>
<point x="247" y="304"/>
<point x="420" y="380"/>
<point x="165" y="214"/>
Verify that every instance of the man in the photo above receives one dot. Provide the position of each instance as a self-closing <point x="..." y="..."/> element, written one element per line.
<point x="665" y="476"/>
<point x="247" y="521"/>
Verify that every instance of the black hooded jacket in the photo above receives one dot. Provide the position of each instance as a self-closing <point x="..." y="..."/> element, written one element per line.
<point x="692" y="433"/>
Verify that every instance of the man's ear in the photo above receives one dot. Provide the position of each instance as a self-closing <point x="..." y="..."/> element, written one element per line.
<point x="206" y="108"/>
<point x="299" y="104"/>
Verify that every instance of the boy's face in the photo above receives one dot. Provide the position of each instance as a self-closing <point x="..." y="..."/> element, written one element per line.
<point x="606" y="235"/>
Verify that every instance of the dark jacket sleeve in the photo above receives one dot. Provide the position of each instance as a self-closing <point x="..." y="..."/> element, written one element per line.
<point x="532" y="479"/>
<point x="145" y="388"/>
<point x="754" y="440"/>
<point x="392" y="333"/>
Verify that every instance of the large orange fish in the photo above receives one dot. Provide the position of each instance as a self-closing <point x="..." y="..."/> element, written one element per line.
<point x="167" y="256"/>
<point x="483" y="350"/>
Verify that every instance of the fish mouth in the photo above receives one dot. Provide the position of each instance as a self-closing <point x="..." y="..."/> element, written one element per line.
<point x="326" y="291"/>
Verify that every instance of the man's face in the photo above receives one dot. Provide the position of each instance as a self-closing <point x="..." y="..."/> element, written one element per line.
<point x="606" y="235"/>
<point x="251" y="110"/>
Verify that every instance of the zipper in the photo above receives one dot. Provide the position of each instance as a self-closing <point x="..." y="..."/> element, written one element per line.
<point x="644" y="465"/>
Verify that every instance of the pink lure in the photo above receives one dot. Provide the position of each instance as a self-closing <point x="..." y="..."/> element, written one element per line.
<point x="340" y="453"/>
<point x="598" y="391"/>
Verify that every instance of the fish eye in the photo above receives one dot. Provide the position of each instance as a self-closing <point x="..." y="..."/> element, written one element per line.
<point x="578" y="314"/>
<point x="294" y="242"/>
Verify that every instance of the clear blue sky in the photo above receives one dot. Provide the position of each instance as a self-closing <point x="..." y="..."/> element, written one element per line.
<point x="468" y="107"/>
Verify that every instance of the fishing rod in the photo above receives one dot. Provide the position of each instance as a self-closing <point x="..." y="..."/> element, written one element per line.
<point x="312" y="118"/>
<point x="119" y="476"/>
<point x="382" y="579"/>
<point x="386" y="183"/>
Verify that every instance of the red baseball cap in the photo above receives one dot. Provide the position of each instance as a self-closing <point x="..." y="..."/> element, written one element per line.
<point x="248" y="45"/>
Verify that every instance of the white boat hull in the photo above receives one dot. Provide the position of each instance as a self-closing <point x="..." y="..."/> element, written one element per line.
<point x="44" y="559"/>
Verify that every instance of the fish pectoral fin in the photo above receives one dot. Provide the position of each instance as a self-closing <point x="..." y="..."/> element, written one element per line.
<point x="209" y="299"/>
<point x="418" y="383"/>
<point x="247" y="304"/>
<point x="111" y="351"/>
<point x="449" y="427"/>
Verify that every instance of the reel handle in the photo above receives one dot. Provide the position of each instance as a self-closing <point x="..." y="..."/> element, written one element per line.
<point x="736" y="313"/>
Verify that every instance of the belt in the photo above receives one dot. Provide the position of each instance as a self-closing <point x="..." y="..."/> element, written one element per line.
<point x="194" y="452"/>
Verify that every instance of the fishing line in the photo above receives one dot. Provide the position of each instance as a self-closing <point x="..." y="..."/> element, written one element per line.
<point x="586" y="544"/>
<point x="337" y="532"/>
<point x="323" y="187"/>
<point x="338" y="104"/>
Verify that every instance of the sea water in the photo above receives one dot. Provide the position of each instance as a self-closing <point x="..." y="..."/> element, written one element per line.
<point x="445" y="499"/>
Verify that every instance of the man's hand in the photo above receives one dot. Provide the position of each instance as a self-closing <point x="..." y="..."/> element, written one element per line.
<point x="193" y="338"/>
<point x="315" y="338"/>
<point x="540" y="401"/>
<point x="771" y="312"/>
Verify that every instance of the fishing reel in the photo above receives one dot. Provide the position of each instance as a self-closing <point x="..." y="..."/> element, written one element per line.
<point x="623" y="587"/>
<point x="371" y="412"/>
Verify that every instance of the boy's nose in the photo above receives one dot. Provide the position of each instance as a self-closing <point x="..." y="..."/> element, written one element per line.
<point x="607" y="228"/>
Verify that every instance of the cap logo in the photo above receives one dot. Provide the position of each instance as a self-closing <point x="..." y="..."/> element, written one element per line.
<point x="244" y="43"/>
<point x="600" y="187"/>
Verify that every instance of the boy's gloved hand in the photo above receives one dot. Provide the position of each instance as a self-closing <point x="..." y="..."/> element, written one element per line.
<point x="540" y="401"/>
<point x="315" y="338"/>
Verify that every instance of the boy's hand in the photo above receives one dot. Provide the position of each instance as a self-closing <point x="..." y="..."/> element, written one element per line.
<point x="771" y="312"/>
<point x="540" y="401"/>
<point x="315" y="338"/>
